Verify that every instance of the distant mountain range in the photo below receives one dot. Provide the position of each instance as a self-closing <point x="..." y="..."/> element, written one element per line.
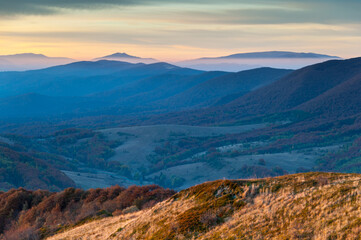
<point x="231" y="63"/>
<point x="244" y="61"/>
<point x="275" y="54"/>
<point x="127" y="58"/>
<point x="30" y="61"/>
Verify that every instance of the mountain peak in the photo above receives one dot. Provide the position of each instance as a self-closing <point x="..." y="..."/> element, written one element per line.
<point x="120" y="55"/>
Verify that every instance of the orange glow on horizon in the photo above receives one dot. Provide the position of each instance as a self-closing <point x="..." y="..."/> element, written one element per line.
<point x="167" y="34"/>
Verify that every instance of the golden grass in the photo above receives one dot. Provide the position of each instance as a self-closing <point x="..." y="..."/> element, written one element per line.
<point x="301" y="206"/>
<point x="100" y="229"/>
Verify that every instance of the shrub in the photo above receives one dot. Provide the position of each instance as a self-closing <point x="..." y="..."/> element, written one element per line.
<point x="39" y="214"/>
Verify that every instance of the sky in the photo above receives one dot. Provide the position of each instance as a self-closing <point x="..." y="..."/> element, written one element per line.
<point x="172" y="30"/>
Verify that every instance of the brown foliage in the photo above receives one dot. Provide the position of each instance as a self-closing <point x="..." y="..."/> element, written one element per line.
<point x="37" y="214"/>
<point x="20" y="168"/>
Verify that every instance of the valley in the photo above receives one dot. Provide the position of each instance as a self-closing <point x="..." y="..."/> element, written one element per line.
<point x="174" y="156"/>
<point x="176" y="127"/>
<point x="141" y="144"/>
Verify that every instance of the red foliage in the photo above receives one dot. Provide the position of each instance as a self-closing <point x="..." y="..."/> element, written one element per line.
<point x="24" y="169"/>
<point x="38" y="214"/>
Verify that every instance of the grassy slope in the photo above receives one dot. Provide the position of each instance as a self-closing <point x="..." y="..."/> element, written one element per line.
<point x="301" y="206"/>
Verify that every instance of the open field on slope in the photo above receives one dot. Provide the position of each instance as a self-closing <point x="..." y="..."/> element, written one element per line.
<point x="94" y="178"/>
<point x="137" y="144"/>
<point x="302" y="206"/>
<point x="141" y="141"/>
<point x="6" y="140"/>
<point x="196" y="173"/>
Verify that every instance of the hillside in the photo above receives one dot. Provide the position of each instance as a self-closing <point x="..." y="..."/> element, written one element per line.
<point x="150" y="89"/>
<point x="340" y="101"/>
<point x="299" y="87"/>
<point x="84" y="89"/>
<point x="214" y="89"/>
<point x="82" y="78"/>
<point x="33" y="170"/>
<point x="315" y="89"/>
<point x="301" y="206"/>
<point x="33" y="104"/>
<point x="305" y="120"/>
<point x="66" y="80"/>
<point x="190" y="89"/>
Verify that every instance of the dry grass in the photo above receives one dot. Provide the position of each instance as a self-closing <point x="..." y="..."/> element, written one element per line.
<point x="101" y="229"/>
<point x="302" y="206"/>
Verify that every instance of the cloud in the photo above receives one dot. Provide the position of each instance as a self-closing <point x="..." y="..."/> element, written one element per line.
<point x="226" y="12"/>
<point x="46" y="7"/>
<point x="200" y="26"/>
<point x="273" y="12"/>
<point x="240" y="11"/>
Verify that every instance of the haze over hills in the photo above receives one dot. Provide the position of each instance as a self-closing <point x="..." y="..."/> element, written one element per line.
<point x="69" y="94"/>
<point x="244" y="61"/>
<point x="294" y="92"/>
<point x="89" y="88"/>
<point x="311" y="129"/>
<point x="310" y="84"/>
<point x="260" y="122"/>
<point x="232" y="63"/>
<point x="30" y="61"/>
<point x="231" y="85"/>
